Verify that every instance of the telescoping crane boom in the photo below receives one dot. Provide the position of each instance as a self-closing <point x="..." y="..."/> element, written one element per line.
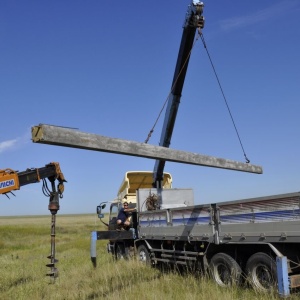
<point x="193" y="21"/>
<point x="121" y="241"/>
<point x="11" y="180"/>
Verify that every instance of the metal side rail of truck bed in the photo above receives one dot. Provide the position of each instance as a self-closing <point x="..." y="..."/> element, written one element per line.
<point x="266" y="219"/>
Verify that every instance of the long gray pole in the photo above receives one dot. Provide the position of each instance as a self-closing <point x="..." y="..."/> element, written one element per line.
<point x="66" y="137"/>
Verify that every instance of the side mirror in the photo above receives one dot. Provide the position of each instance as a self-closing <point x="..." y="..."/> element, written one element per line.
<point x="100" y="207"/>
<point x="99" y="210"/>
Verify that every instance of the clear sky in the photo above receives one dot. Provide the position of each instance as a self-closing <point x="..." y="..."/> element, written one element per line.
<point x="106" y="67"/>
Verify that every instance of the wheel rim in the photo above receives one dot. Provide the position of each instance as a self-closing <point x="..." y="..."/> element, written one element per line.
<point x="263" y="278"/>
<point x="119" y="253"/>
<point x="222" y="274"/>
<point x="143" y="256"/>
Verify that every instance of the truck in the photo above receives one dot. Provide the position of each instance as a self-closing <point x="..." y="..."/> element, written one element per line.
<point x="254" y="241"/>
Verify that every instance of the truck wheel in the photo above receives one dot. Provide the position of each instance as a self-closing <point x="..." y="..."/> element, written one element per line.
<point x="225" y="270"/>
<point x="261" y="272"/>
<point x="143" y="255"/>
<point x="120" y="252"/>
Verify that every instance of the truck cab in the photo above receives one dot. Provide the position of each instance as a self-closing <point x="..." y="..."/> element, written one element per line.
<point x="133" y="181"/>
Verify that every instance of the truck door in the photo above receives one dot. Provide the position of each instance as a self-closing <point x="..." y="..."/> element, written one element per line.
<point x="113" y="214"/>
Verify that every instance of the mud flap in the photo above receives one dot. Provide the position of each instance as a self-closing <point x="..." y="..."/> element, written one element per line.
<point x="107" y="235"/>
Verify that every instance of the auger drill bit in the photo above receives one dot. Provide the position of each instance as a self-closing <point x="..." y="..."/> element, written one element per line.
<point x="53" y="207"/>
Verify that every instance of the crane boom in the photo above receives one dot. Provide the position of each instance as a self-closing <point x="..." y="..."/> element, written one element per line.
<point x="194" y="20"/>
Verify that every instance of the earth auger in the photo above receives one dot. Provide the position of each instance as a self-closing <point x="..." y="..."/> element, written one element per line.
<point x="11" y="180"/>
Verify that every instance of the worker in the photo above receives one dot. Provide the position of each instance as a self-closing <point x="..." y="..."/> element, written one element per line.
<point x="124" y="216"/>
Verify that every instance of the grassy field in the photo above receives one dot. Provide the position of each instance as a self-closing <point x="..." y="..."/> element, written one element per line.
<point x="25" y="245"/>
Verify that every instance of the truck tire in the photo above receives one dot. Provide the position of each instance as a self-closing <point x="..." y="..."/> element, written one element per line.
<point x="261" y="272"/>
<point x="143" y="255"/>
<point x="120" y="252"/>
<point x="225" y="270"/>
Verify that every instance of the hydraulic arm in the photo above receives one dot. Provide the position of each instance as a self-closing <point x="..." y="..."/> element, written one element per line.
<point x="11" y="180"/>
<point x="194" y="20"/>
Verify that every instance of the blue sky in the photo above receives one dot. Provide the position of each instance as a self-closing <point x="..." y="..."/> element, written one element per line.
<point x="106" y="68"/>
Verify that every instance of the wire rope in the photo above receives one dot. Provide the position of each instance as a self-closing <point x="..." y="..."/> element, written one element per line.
<point x="200" y="34"/>
<point x="223" y="94"/>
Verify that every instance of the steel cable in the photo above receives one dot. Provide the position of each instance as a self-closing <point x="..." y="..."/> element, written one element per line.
<point x="220" y="86"/>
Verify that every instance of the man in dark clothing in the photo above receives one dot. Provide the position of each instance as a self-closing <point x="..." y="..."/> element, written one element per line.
<point x="123" y="219"/>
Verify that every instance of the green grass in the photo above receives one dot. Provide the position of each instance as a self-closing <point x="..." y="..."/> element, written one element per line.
<point x="25" y="245"/>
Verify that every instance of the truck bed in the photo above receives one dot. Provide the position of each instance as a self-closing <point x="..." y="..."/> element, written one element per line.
<point x="265" y="219"/>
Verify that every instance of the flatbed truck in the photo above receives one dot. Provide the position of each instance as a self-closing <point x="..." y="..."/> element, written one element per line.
<point x="254" y="241"/>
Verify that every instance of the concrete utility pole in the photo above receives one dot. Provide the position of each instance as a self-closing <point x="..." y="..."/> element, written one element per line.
<point x="61" y="136"/>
